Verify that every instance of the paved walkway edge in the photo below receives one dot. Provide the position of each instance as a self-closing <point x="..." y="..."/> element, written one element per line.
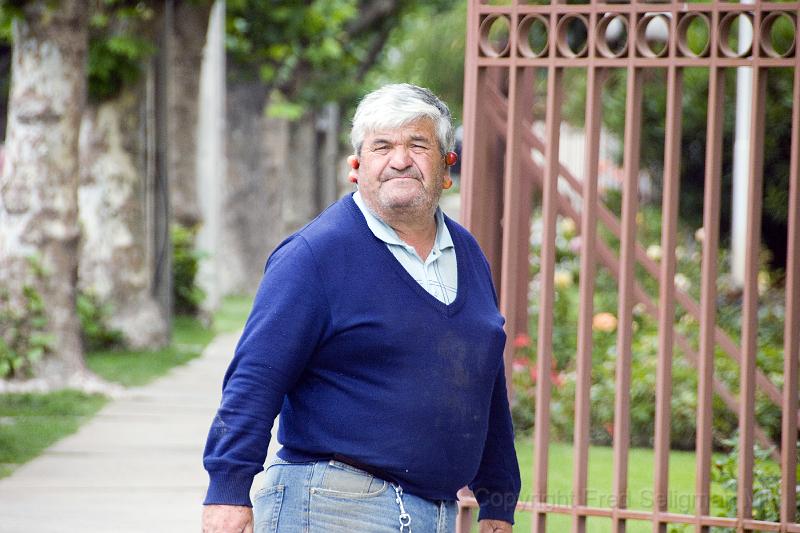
<point x="135" y="467"/>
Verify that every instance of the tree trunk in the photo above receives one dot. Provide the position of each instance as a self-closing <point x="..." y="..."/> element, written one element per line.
<point x="281" y="174"/>
<point x="186" y="51"/>
<point x="39" y="206"/>
<point x="298" y="174"/>
<point x="210" y="161"/>
<point x="250" y="203"/>
<point x="122" y="247"/>
<point x="116" y="257"/>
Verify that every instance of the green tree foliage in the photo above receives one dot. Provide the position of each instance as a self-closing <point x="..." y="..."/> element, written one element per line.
<point x="427" y="49"/>
<point x="313" y="52"/>
<point x="117" y="45"/>
<point x="8" y="10"/>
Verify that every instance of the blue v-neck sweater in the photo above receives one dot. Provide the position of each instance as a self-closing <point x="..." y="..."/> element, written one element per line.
<point x="362" y="362"/>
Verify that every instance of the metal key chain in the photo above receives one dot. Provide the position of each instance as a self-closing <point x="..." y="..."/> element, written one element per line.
<point x="405" y="518"/>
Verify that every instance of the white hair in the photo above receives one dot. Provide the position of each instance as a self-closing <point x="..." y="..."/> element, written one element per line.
<point x="396" y="105"/>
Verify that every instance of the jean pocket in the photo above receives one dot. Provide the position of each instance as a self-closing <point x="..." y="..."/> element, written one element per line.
<point x="272" y="472"/>
<point x="338" y="512"/>
<point x="344" y="481"/>
<point x="267" y="509"/>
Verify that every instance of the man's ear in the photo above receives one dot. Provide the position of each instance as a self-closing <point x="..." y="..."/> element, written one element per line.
<point x="352" y="161"/>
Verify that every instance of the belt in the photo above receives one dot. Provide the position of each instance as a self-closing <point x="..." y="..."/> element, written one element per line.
<point x="377" y="472"/>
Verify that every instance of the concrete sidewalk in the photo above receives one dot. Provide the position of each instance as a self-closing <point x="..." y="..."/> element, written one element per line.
<point x="135" y="467"/>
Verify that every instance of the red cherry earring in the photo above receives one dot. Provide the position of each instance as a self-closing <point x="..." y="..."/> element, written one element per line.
<point x="447" y="183"/>
<point x="352" y="176"/>
<point x="450" y="159"/>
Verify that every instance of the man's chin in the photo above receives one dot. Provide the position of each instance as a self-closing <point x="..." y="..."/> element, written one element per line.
<point x="403" y="202"/>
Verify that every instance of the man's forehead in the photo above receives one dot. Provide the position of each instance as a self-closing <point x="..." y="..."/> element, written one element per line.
<point x="419" y="128"/>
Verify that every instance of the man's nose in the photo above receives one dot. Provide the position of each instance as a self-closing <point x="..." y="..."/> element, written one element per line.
<point x="401" y="158"/>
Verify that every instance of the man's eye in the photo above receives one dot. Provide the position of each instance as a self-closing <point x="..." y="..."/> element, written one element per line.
<point x="381" y="149"/>
<point x="419" y="147"/>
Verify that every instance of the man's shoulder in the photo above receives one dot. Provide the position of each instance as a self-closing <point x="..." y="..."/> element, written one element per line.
<point x="328" y="229"/>
<point x="335" y="222"/>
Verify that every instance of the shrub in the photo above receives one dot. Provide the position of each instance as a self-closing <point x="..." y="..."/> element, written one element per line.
<point x="187" y="295"/>
<point x="24" y="334"/>
<point x="93" y="315"/>
<point x="766" y="484"/>
<point x="566" y="306"/>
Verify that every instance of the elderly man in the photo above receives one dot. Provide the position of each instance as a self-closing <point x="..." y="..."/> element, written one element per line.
<point x="375" y="334"/>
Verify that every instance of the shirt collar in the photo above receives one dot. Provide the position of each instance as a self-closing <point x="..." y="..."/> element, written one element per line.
<point x="384" y="231"/>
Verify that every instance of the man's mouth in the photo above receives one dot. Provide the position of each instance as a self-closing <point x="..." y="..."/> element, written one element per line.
<point x="390" y="178"/>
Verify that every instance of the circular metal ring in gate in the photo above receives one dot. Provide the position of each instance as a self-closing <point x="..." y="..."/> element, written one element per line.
<point x="771" y="28"/>
<point x="494" y="36"/>
<point x="571" y="37"/>
<point x="691" y="27"/>
<point x="652" y="35"/>
<point x="726" y="34"/>
<point x="612" y="36"/>
<point x="534" y="36"/>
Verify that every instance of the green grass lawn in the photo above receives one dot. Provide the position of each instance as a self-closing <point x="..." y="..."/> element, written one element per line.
<point x="232" y="313"/>
<point x="189" y="337"/>
<point x="29" y="423"/>
<point x="640" y="484"/>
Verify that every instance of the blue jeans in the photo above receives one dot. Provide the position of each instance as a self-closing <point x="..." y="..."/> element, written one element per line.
<point x="333" y="497"/>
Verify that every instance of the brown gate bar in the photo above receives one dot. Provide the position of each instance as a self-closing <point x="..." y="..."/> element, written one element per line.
<point x="791" y="337"/>
<point x="545" y="335"/>
<point x="666" y="316"/>
<point x="497" y="177"/>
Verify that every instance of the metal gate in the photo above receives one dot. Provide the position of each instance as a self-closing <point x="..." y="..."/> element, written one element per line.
<point x="500" y="173"/>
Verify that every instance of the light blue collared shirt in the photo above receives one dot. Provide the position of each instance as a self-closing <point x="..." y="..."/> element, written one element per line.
<point x="438" y="273"/>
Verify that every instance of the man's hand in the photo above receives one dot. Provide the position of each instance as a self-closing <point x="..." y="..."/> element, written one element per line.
<point x="494" y="526"/>
<point x="228" y="519"/>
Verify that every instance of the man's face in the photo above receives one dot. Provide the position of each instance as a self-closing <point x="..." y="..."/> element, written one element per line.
<point x="401" y="170"/>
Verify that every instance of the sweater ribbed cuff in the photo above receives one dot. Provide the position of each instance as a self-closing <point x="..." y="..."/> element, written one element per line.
<point x="227" y="488"/>
<point x="498" y="507"/>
